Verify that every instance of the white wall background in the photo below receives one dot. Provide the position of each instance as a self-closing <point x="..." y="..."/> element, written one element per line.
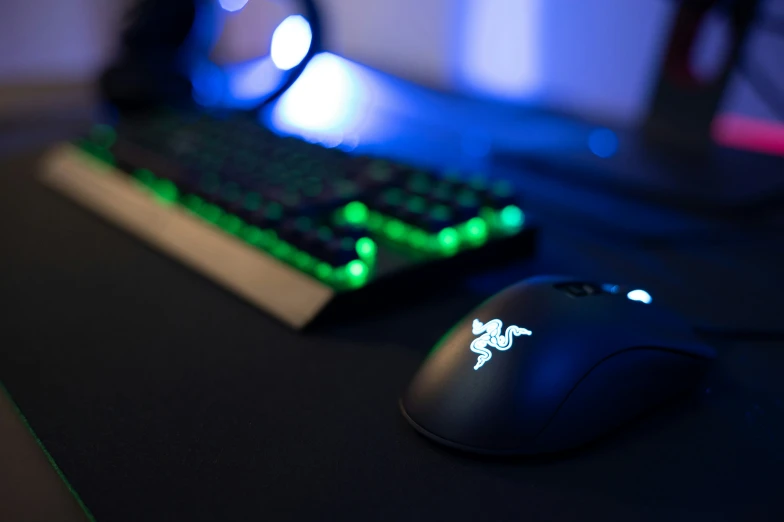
<point x="593" y="57"/>
<point x="45" y="41"/>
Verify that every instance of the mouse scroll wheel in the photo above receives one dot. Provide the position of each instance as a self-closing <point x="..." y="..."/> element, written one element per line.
<point x="576" y="289"/>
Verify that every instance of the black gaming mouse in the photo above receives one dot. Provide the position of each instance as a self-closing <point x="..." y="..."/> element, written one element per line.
<point x="549" y="364"/>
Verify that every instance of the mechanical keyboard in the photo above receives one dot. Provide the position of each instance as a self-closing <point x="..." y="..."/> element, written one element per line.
<point x="287" y="224"/>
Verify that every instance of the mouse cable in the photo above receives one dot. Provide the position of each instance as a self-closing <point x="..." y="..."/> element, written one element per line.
<point x="732" y="334"/>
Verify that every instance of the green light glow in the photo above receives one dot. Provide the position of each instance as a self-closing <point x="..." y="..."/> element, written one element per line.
<point x="231" y="223"/>
<point x="145" y="176"/>
<point x="165" y="190"/>
<point x="447" y="242"/>
<point x="339" y="275"/>
<point x="488" y="214"/>
<point x="323" y="271"/>
<point x="192" y="202"/>
<point x="356" y="270"/>
<point x="375" y="221"/>
<point x="366" y="248"/>
<point x="210" y="212"/>
<point x="105" y="156"/>
<point x="511" y="217"/>
<point x="418" y="239"/>
<point x="268" y="237"/>
<point x="303" y="260"/>
<point x="395" y="229"/>
<point x="252" y="235"/>
<point x="448" y="239"/>
<point x="475" y="229"/>
<point x="282" y="249"/>
<point x="356" y="212"/>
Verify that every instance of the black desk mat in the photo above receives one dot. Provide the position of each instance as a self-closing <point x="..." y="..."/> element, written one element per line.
<point x="162" y="397"/>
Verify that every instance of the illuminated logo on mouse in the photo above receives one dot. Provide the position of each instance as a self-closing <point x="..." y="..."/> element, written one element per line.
<point x="490" y="334"/>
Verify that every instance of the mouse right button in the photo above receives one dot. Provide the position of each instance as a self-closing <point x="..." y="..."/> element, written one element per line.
<point x="615" y="391"/>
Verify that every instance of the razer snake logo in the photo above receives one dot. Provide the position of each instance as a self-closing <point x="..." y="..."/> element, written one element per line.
<point x="490" y="335"/>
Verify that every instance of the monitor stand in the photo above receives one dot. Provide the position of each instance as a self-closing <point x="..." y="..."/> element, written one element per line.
<point x="672" y="159"/>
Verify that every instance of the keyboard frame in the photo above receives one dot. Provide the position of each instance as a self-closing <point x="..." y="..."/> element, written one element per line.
<point x="271" y="285"/>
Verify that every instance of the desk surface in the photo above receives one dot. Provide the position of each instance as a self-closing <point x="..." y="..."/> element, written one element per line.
<point x="163" y="397"/>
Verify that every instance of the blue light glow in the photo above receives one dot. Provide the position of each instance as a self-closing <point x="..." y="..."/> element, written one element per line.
<point x="208" y="84"/>
<point x="640" y="295"/>
<point x="204" y="33"/>
<point x="233" y="6"/>
<point x="490" y="335"/>
<point x="501" y="50"/>
<point x="254" y="80"/>
<point x="340" y="103"/>
<point x="603" y="143"/>
<point x="324" y="99"/>
<point x="291" y="42"/>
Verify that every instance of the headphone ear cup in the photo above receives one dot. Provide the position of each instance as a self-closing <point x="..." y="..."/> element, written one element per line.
<point x="148" y="72"/>
<point x="137" y="85"/>
<point x="155" y="25"/>
<point x="165" y="52"/>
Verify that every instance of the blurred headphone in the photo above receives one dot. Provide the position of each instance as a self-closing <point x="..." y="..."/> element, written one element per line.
<point x="165" y="43"/>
